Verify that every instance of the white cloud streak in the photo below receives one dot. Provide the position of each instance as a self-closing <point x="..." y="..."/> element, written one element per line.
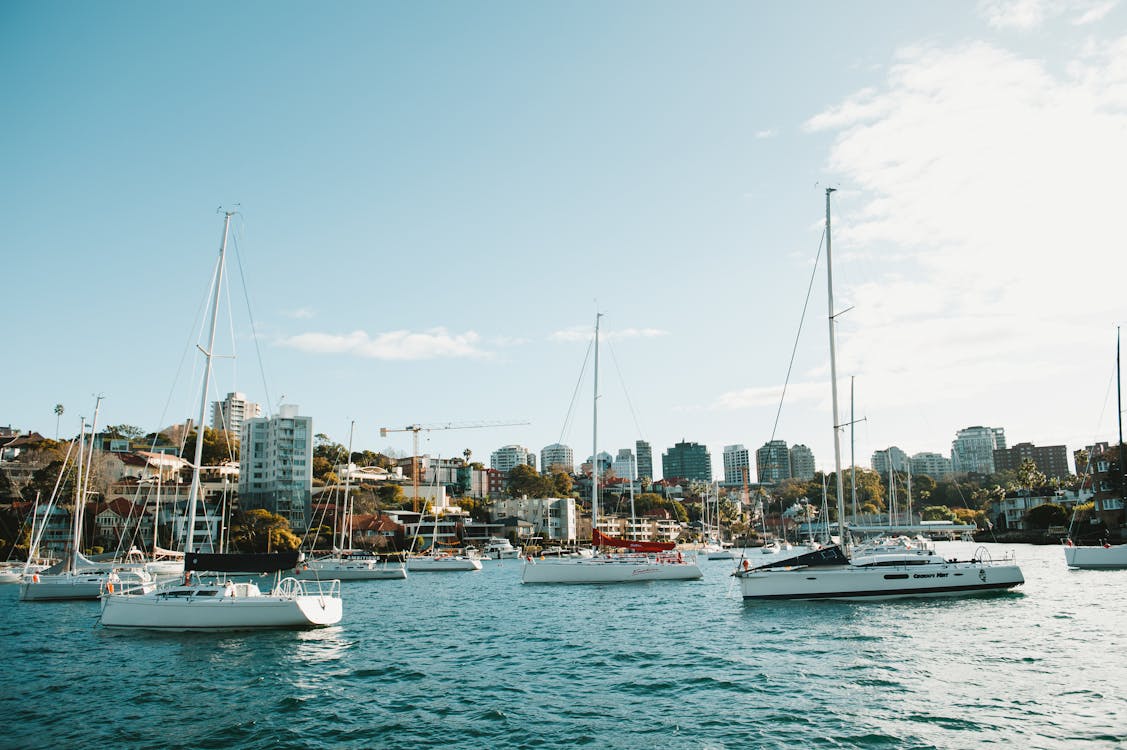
<point x="437" y="343"/>
<point x="581" y="333"/>
<point x="1024" y="15"/>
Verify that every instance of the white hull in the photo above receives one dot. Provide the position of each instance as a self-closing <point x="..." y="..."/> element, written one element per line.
<point x="352" y="570"/>
<point x="599" y="569"/>
<point x="879" y="581"/>
<point x="1097" y="558"/>
<point x="43" y="588"/>
<point x="441" y="564"/>
<point x="214" y="607"/>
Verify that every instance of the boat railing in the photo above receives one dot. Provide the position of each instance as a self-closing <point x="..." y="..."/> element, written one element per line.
<point x="292" y="587"/>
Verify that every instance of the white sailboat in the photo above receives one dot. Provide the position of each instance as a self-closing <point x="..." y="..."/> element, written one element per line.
<point x="629" y="567"/>
<point x="1105" y="555"/>
<point x="831" y="573"/>
<point x="224" y="604"/>
<point x="348" y="564"/>
<point x="77" y="577"/>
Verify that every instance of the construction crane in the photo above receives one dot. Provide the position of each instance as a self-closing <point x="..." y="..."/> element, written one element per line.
<point x="415" y="429"/>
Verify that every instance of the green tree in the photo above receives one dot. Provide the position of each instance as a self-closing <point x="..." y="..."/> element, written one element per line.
<point x="124" y="432"/>
<point x="561" y="484"/>
<point x="390" y="496"/>
<point x="218" y="446"/>
<point x="260" y="530"/>
<point x="938" y="513"/>
<point x="1046" y="515"/>
<point x="525" y="480"/>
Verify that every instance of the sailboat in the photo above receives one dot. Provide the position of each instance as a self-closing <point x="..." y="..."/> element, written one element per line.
<point x="833" y="573"/>
<point x="223" y="604"/>
<point x="1103" y="556"/>
<point x="347" y="564"/>
<point x="77" y="577"/>
<point x="645" y="561"/>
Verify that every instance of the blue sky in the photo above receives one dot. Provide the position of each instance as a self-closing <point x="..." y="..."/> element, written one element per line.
<point x="434" y="197"/>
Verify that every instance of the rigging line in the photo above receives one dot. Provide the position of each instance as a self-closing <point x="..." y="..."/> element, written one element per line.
<point x="626" y="393"/>
<point x="575" y="393"/>
<point x="179" y="372"/>
<point x="250" y="314"/>
<point x="798" y="335"/>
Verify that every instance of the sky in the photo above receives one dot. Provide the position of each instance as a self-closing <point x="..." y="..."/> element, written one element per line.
<point x="434" y="200"/>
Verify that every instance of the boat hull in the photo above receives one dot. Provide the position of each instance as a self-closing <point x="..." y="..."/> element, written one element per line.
<point x="352" y="571"/>
<point x="441" y="564"/>
<point x="88" y="586"/>
<point x="1113" y="557"/>
<point x="607" y="570"/>
<point x="188" y="612"/>
<point x="879" y="582"/>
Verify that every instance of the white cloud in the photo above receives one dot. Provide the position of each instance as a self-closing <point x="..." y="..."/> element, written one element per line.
<point x="761" y="134"/>
<point x="1030" y="14"/>
<point x="977" y="227"/>
<point x="394" y="345"/>
<point x="301" y="313"/>
<point x="748" y="398"/>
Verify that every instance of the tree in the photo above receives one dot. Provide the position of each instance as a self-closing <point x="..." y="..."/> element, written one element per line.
<point x="218" y="446"/>
<point x="525" y="480"/>
<point x="390" y="495"/>
<point x="124" y="432"/>
<point x="938" y="513"/>
<point x="561" y="484"/>
<point x="58" y="415"/>
<point x="1029" y="477"/>
<point x="260" y="530"/>
<point x="1046" y="515"/>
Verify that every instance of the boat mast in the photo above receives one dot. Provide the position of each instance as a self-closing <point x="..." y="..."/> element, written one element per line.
<point x="78" y="496"/>
<point x="833" y="380"/>
<point x="852" y="453"/>
<point x="1119" y="410"/>
<point x="346" y="510"/>
<point x="194" y="492"/>
<point x="595" y="437"/>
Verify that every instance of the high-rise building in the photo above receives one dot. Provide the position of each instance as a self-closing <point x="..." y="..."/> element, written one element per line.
<point x="645" y="459"/>
<point x="737" y="460"/>
<point x="933" y="465"/>
<point x="624" y="465"/>
<point x="801" y="462"/>
<point x="557" y="457"/>
<point x="1051" y="460"/>
<point x="973" y="449"/>
<point x="892" y="455"/>
<point x="687" y="460"/>
<point x="276" y="466"/>
<point x="230" y="413"/>
<point x="606" y="461"/>
<point x="772" y="462"/>
<point x="510" y="456"/>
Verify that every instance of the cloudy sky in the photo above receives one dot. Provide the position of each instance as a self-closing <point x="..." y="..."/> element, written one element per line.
<point x="435" y="198"/>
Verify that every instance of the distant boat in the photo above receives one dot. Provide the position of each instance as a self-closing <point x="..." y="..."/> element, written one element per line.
<point x="77" y="577"/>
<point x="499" y="548"/>
<point x="223" y="604"/>
<point x="1105" y="555"/>
<point x="832" y="573"/>
<point x="344" y="563"/>
<point x="649" y="561"/>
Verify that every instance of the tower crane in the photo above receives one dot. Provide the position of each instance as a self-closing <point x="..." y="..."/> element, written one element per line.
<point x="415" y="429"/>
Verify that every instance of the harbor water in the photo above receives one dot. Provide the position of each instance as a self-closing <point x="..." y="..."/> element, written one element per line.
<point x="478" y="660"/>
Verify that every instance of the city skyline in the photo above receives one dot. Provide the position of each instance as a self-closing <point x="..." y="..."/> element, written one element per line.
<point x="433" y="205"/>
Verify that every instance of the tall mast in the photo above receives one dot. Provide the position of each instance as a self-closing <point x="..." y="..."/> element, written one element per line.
<point x="194" y="492"/>
<point x="78" y="496"/>
<point x="595" y="437"/>
<point x="833" y="379"/>
<point x="1119" y="409"/>
<point x="346" y="510"/>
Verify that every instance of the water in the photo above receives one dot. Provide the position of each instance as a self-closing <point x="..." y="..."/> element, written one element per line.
<point x="477" y="660"/>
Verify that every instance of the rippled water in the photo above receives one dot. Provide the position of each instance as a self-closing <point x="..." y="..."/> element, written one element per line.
<point x="476" y="660"/>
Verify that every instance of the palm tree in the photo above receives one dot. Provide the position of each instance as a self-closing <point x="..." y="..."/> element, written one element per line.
<point x="58" y="413"/>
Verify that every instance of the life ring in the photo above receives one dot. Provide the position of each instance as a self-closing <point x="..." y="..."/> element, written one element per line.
<point x="109" y="587"/>
<point x="1068" y="543"/>
<point x="35" y="578"/>
<point x="746" y="565"/>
